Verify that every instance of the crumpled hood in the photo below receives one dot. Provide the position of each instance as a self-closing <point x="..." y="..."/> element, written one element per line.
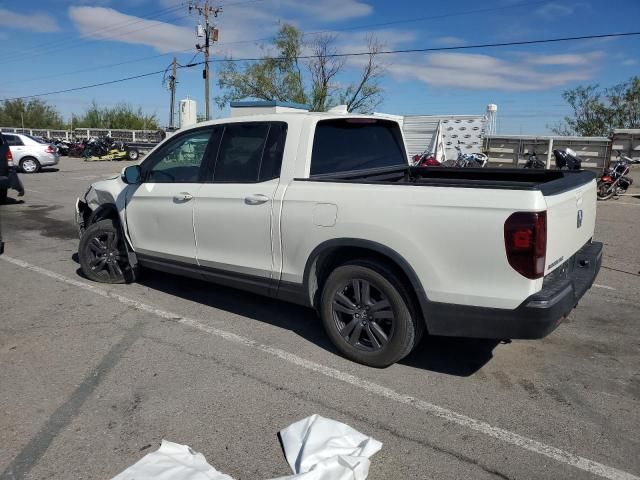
<point x="106" y="191"/>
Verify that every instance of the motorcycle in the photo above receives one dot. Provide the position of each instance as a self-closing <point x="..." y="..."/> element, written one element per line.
<point x="614" y="181"/>
<point x="77" y="148"/>
<point x="473" y="160"/>
<point x="63" y="146"/>
<point x="533" y="162"/>
<point x="425" y="159"/>
<point x="105" y="148"/>
<point x="567" y="159"/>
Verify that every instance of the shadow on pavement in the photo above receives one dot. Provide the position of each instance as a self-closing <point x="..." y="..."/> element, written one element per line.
<point x="12" y="201"/>
<point x="452" y="356"/>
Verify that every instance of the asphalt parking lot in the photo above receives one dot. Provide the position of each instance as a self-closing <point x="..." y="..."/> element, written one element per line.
<point x="94" y="376"/>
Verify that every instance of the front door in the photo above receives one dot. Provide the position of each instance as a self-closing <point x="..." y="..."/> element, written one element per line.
<point x="232" y="214"/>
<point x="160" y="210"/>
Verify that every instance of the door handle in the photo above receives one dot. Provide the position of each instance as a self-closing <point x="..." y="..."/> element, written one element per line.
<point x="256" y="199"/>
<point x="182" y="197"/>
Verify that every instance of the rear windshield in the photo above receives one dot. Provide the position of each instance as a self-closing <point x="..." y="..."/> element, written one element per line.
<point x="35" y="139"/>
<point x="345" y="145"/>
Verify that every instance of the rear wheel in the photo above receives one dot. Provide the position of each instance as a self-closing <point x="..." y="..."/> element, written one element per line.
<point x="605" y="191"/>
<point x="103" y="256"/>
<point x="29" y="165"/>
<point x="368" y="315"/>
<point x="3" y="195"/>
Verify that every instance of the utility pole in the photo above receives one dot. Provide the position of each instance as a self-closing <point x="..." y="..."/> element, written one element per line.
<point x="210" y="33"/>
<point x="172" y="87"/>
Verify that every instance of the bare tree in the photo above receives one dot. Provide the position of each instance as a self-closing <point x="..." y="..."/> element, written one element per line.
<point x="365" y="95"/>
<point x="323" y="68"/>
<point x="279" y="76"/>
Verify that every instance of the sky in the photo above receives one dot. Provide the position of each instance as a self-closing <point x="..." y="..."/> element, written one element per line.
<point x="52" y="45"/>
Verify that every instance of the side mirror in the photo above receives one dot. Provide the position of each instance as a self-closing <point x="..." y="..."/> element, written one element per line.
<point x="131" y="175"/>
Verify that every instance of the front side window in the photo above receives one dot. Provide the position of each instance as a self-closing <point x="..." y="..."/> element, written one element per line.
<point x="181" y="159"/>
<point x="352" y="144"/>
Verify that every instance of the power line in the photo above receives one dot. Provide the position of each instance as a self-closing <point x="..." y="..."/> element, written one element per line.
<point x="357" y="27"/>
<point x="351" y="54"/>
<point x="399" y="21"/>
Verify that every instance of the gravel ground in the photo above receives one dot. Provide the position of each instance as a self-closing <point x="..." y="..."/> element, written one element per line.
<point x="93" y="377"/>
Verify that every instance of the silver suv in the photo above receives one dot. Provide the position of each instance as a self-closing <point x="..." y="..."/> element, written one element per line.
<point x="31" y="153"/>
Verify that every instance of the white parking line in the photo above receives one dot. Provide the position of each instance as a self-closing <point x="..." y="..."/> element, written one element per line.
<point x="606" y="287"/>
<point x="480" y="426"/>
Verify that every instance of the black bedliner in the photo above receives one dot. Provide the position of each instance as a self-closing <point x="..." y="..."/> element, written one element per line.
<point x="549" y="182"/>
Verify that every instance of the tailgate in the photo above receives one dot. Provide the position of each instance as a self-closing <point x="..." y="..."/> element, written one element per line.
<point x="571" y="218"/>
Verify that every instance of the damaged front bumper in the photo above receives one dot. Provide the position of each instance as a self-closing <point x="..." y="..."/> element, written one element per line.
<point x="81" y="208"/>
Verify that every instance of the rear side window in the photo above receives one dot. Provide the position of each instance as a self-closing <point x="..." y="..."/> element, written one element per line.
<point x="250" y="152"/>
<point x="13" y="140"/>
<point x="345" y="145"/>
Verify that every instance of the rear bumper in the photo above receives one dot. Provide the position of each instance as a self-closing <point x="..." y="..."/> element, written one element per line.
<point x="536" y="317"/>
<point x="49" y="160"/>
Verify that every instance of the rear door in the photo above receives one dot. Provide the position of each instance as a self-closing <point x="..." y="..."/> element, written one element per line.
<point x="160" y="210"/>
<point x="233" y="210"/>
<point x="571" y="218"/>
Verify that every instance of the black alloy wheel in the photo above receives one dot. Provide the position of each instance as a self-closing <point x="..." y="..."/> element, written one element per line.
<point x="103" y="257"/>
<point x="367" y="313"/>
<point x="363" y="315"/>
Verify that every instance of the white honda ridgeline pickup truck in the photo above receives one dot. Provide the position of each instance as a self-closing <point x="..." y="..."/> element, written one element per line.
<point x="324" y="210"/>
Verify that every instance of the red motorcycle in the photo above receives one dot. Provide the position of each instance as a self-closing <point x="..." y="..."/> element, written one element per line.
<point x="425" y="160"/>
<point x="615" y="181"/>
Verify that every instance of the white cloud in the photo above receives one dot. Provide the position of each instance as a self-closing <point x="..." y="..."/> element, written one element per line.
<point x="565" y="59"/>
<point x="35" y="22"/>
<point x="109" y="24"/>
<point x="449" y="41"/>
<point x="483" y="72"/>
<point x="552" y="11"/>
<point x="327" y="10"/>
<point x="630" y="61"/>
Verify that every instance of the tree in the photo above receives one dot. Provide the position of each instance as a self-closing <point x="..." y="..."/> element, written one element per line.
<point x="597" y="112"/>
<point x="281" y="75"/>
<point x="121" y="116"/>
<point x="35" y="113"/>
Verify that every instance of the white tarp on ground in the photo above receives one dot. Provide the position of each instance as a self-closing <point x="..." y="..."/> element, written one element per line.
<point x="316" y="448"/>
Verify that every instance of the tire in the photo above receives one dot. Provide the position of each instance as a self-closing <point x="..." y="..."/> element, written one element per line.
<point x="133" y="154"/>
<point x="381" y="329"/>
<point x="102" y="254"/>
<point x="602" y="191"/>
<point x="3" y="195"/>
<point x="29" y="165"/>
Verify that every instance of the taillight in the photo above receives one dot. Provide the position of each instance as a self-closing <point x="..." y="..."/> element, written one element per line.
<point x="525" y="239"/>
<point x="50" y="149"/>
<point x="9" y="157"/>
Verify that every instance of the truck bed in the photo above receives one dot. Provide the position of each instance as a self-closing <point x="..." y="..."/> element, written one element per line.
<point x="549" y="182"/>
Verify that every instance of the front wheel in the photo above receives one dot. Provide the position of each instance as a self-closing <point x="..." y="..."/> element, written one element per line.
<point x="103" y="256"/>
<point x="605" y="190"/>
<point x="367" y="313"/>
